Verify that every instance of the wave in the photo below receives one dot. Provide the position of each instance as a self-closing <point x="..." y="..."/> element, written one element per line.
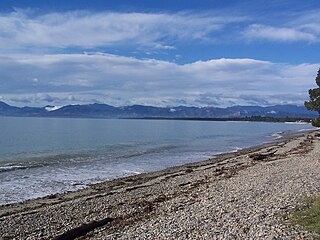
<point x="9" y="168"/>
<point x="236" y="149"/>
<point x="277" y="135"/>
<point x="152" y="150"/>
<point x="306" y="130"/>
<point x="300" y="123"/>
<point x="107" y="154"/>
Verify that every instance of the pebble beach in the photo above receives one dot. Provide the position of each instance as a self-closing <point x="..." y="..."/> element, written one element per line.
<point x="247" y="194"/>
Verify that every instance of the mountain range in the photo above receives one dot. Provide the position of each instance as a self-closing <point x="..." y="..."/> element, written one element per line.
<point x="97" y="110"/>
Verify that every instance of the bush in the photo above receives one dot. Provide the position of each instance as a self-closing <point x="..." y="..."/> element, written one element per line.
<point x="316" y="122"/>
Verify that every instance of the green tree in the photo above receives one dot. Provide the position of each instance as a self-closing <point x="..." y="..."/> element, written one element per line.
<point x="314" y="103"/>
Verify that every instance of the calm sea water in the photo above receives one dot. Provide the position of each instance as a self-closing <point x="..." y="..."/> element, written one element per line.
<point x="41" y="156"/>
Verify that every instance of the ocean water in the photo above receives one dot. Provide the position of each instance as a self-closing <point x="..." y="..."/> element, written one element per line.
<point x="41" y="156"/>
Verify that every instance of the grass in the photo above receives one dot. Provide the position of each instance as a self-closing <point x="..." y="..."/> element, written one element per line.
<point x="308" y="215"/>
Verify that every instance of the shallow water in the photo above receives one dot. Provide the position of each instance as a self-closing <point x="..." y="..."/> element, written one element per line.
<point x="41" y="156"/>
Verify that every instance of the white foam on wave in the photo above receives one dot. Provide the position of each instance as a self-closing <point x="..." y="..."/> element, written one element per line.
<point x="236" y="149"/>
<point x="297" y="122"/>
<point x="277" y="135"/>
<point x="130" y="172"/>
<point x="11" y="168"/>
<point x="306" y="129"/>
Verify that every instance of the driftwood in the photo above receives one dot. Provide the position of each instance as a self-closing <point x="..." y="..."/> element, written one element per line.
<point x="261" y="156"/>
<point x="83" y="229"/>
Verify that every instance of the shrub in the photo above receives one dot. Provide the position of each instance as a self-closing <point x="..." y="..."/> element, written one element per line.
<point x="316" y="122"/>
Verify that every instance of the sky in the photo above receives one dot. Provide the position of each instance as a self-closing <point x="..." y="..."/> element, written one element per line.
<point x="160" y="53"/>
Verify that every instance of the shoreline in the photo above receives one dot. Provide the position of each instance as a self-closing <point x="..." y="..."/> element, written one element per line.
<point x="122" y="207"/>
<point x="96" y="160"/>
<point x="283" y="136"/>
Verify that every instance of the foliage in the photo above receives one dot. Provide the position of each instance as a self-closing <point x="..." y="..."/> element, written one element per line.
<point x="314" y="102"/>
<point x="316" y="122"/>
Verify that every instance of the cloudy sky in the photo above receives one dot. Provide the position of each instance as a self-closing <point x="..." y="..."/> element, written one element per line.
<point x="163" y="53"/>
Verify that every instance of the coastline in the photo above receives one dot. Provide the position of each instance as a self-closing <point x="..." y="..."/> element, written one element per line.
<point x="144" y="204"/>
<point x="276" y="137"/>
<point x="71" y="162"/>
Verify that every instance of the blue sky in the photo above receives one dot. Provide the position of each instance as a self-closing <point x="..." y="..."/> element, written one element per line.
<point x="164" y="53"/>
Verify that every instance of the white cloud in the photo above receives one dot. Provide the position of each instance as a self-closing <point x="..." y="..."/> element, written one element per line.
<point x="50" y="109"/>
<point x="22" y="29"/>
<point x="308" y="21"/>
<point x="286" y="27"/>
<point x="84" y="78"/>
<point x="258" y="31"/>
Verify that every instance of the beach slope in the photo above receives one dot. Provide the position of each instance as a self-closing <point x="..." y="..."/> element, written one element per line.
<point x="242" y="195"/>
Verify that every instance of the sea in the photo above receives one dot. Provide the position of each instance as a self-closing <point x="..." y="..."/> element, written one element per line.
<point x="43" y="156"/>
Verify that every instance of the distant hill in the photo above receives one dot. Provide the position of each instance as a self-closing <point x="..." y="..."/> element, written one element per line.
<point x="138" y="111"/>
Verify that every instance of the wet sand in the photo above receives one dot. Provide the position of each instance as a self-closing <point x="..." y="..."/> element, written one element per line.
<point x="241" y="195"/>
